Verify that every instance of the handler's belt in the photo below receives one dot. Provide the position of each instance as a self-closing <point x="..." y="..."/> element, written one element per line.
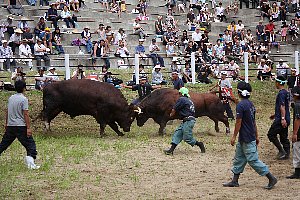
<point x="189" y="118"/>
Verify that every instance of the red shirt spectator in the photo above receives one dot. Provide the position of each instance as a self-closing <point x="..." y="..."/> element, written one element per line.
<point x="270" y="26"/>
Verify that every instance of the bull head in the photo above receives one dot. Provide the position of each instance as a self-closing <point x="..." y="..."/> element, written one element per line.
<point x="137" y="110"/>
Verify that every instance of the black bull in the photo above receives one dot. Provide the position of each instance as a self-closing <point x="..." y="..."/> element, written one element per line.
<point x="159" y="104"/>
<point x="86" y="97"/>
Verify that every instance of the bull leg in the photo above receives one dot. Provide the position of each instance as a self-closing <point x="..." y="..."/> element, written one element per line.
<point x="49" y="116"/>
<point x="115" y="127"/>
<point x="162" y="126"/>
<point x="224" y="120"/>
<point x="216" y="123"/>
<point x="102" y="128"/>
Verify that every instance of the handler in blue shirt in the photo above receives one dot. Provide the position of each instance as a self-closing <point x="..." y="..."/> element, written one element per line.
<point x="246" y="148"/>
<point x="185" y="108"/>
<point x="281" y="121"/>
<point x="177" y="82"/>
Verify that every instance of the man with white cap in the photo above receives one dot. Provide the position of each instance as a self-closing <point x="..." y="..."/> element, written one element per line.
<point x="6" y="54"/>
<point x="140" y="49"/>
<point x="157" y="77"/>
<point x="87" y="36"/>
<point x="282" y="69"/>
<point x="15" y="40"/>
<point x="177" y="82"/>
<point x="246" y="148"/>
<point x="184" y="107"/>
<point x="52" y="75"/>
<point x="40" y="52"/>
<point x="25" y="52"/>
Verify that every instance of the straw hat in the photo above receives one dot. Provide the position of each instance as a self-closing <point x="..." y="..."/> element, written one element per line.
<point x="157" y="67"/>
<point x="18" y="31"/>
<point x="4" y="41"/>
<point x="24" y="19"/>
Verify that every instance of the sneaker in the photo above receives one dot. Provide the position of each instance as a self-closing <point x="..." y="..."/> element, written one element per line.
<point x="29" y="161"/>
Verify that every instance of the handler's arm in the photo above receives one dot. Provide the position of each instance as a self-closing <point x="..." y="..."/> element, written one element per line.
<point x="237" y="128"/>
<point x="296" y="128"/>
<point x="173" y="112"/>
<point x="6" y="118"/>
<point x="283" y="120"/>
<point x="27" y="121"/>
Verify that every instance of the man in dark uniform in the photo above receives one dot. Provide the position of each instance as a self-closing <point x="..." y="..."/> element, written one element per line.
<point x="143" y="88"/>
<point x="281" y="121"/>
<point x="177" y="82"/>
<point x="246" y="148"/>
<point x="185" y="108"/>
<point x="296" y="134"/>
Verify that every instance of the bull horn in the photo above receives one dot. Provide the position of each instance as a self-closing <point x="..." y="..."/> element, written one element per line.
<point x="138" y="110"/>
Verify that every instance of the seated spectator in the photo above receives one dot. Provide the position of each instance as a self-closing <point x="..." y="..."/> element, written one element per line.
<point x="260" y="31"/>
<point x="105" y="3"/>
<point x="52" y="15"/>
<point x="220" y="12"/>
<point x="265" y="11"/>
<point x="115" y="8"/>
<point x="159" y="26"/>
<point x="184" y="39"/>
<point x="282" y="69"/>
<point x="197" y="36"/>
<point x="141" y="74"/>
<point x="190" y="17"/>
<point x="61" y="4"/>
<point x="168" y="36"/>
<point x="273" y="42"/>
<point x="15" y="40"/>
<point x="23" y="23"/>
<point x="75" y="5"/>
<point x="79" y="73"/>
<point x="110" y="36"/>
<point x="140" y="49"/>
<point x="120" y="36"/>
<point x="123" y="6"/>
<point x="44" y="1"/>
<point x="100" y="51"/>
<point x="157" y="77"/>
<point x="237" y="51"/>
<point x="203" y="75"/>
<point x="25" y="53"/>
<point x="41" y="25"/>
<point x="269" y="28"/>
<point x="233" y="70"/>
<point x="52" y="75"/>
<point x="233" y="6"/>
<point x="297" y="16"/>
<point x="231" y="28"/>
<point x="122" y="52"/>
<point x="177" y="82"/>
<point x="171" y="49"/>
<point x="203" y="20"/>
<point x="253" y="50"/>
<point x="264" y="71"/>
<point x="153" y="50"/>
<point x="293" y="29"/>
<point x="56" y="41"/>
<point x="67" y="17"/>
<point x="218" y="51"/>
<point x="7" y="54"/>
<point x="29" y="36"/>
<point x="249" y="36"/>
<point x="41" y="79"/>
<point x="40" y="53"/>
<point x="31" y="2"/>
<point x="240" y="25"/>
<point x="274" y="12"/>
<point x="9" y="26"/>
<point x="187" y="73"/>
<point x="101" y="32"/>
<point x="46" y="37"/>
<point x="18" y="75"/>
<point x="192" y="47"/>
<point x="137" y="29"/>
<point x="86" y="37"/>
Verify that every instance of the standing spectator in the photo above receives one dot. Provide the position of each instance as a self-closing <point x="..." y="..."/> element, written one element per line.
<point x="56" y="41"/>
<point x="87" y="36"/>
<point x="293" y="29"/>
<point x="137" y="29"/>
<point x="284" y="30"/>
<point x="185" y="109"/>
<point x="7" y="54"/>
<point x="296" y="134"/>
<point x="40" y="52"/>
<point x="41" y="25"/>
<point x="159" y="26"/>
<point x="15" y="40"/>
<point x="100" y="51"/>
<point x="246" y="148"/>
<point x="281" y="121"/>
<point x="52" y="15"/>
<point x="18" y="125"/>
<point x="67" y="17"/>
<point x="101" y="32"/>
<point x="153" y="50"/>
<point x="260" y="31"/>
<point x="273" y="42"/>
<point x="25" y="52"/>
<point x="177" y="82"/>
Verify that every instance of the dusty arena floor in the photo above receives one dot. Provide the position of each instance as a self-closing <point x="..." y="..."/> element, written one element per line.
<point x="77" y="164"/>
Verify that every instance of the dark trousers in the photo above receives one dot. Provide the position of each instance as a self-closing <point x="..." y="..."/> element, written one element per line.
<point x="20" y="132"/>
<point x="68" y="20"/>
<point x="39" y="60"/>
<point x="13" y="46"/>
<point x="8" y="63"/>
<point x="54" y="20"/>
<point x="228" y="110"/>
<point x="277" y="129"/>
<point x="156" y="57"/>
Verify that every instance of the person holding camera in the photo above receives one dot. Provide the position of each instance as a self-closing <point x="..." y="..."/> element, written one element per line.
<point x="122" y="51"/>
<point x="79" y="73"/>
<point x="18" y="75"/>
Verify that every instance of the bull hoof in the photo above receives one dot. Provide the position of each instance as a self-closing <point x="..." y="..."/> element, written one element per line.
<point x="217" y="130"/>
<point x="121" y="134"/>
<point x="102" y="135"/>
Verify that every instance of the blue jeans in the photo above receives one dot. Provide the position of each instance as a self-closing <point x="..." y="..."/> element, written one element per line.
<point x="31" y="2"/>
<point x="89" y="46"/>
<point x="247" y="153"/>
<point x="184" y="132"/>
<point x="59" y="48"/>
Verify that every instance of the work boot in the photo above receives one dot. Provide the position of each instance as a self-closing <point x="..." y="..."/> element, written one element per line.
<point x="282" y="155"/>
<point x="296" y="175"/>
<point x="234" y="182"/>
<point x="171" y="150"/>
<point x="201" y="146"/>
<point x="29" y="161"/>
<point x="272" y="181"/>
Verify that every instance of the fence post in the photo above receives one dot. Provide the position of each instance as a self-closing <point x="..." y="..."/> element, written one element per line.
<point x="246" y="67"/>
<point x="136" y="68"/>
<point x="67" y="66"/>
<point x="297" y="62"/>
<point x="193" y="67"/>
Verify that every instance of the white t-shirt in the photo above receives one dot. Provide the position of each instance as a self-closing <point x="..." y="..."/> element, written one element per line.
<point x="196" y="36"/>
<point x="220" y="11"/>
<point x="54" y="76"/>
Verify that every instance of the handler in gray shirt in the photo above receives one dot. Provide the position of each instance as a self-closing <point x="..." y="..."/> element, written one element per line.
<point x="18" y="125"/>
